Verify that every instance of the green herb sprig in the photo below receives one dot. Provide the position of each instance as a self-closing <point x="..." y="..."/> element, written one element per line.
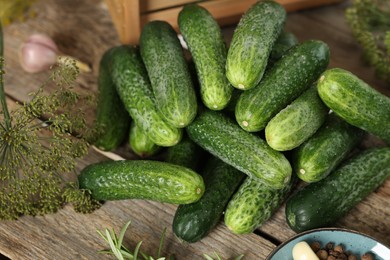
<point x="39" y="150"/>
<point x="122" y="253"/>
<point x="370" y="24"/>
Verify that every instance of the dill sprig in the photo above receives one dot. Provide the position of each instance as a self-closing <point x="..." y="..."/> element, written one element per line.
<point x="370" y="24"/>
<point x="40" y="143"/>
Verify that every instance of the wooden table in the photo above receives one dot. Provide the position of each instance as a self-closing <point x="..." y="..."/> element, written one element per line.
<point x="84" y="29"/>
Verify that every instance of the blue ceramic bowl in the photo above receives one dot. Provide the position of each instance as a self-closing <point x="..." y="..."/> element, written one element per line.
<point x="353" y="241"/>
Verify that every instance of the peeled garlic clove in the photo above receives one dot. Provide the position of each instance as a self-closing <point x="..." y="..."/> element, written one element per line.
<point x="302" y="251"/>
<point x="38" y="54"/>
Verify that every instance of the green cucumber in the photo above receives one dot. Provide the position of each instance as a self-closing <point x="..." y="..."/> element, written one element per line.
<point x="324" y="151"/>
<point x="252" y="205"/>
<point x="186" y="153"/>
<point x="169" y="75"/>
<point x="356" y="102"/>
<point x="285" y="41"/>
<point x="206" y="44"/>
<point x="133" y="86"/>
<point x="252" y="43"/>
<point x="297" y="122"/>
<point x="222" y="137"/>
<point x="142" y="179"/>
<point x="111" y="115"/>
<point x="194" y="221"/>
<point x="140" y="143"/>
<point x="287" y="79"/>
<point x="322" y="203"/>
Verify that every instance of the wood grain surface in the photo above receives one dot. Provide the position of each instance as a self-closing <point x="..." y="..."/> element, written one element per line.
<point x="84" y="29"/>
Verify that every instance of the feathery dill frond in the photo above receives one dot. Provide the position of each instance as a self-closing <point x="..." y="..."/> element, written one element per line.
<point x="39" y="148"/>
<point x="370" y="24"/>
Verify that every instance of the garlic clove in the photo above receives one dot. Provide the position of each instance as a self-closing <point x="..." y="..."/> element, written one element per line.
<point x="303" y="251"/>
<point x="35" y="57"/>
<point x="43" y="39"/>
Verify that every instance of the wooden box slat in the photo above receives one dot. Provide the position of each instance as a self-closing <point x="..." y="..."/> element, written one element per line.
<point x="129" y="19"/>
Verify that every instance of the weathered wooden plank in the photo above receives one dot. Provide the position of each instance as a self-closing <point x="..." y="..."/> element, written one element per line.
<point x="84" y="29"/>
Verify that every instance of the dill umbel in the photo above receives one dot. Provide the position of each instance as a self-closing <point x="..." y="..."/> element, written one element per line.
<point x="39" y="148"/>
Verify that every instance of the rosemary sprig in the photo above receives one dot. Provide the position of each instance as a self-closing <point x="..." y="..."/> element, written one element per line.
<point x="122" y="253"/>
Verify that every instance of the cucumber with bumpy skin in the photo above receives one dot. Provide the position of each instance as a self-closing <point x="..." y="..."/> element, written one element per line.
<point x="297" y="122"/>
<point x="140" y="143"/>
<point x="133" y="86"/>
<point x="142" y="179"/>
<point x="169" y="75"/>
<point x="252" y="43"/>
<point x="252" y="205"/>
<point x="111" y="115"/>
<point x="356" y="102"/>
<point x="285" y="41"/>
<point x="206" y="44"/>
<point x="222" y="137"/>
<point x="287" y="79"/>
<point x="194" y="221"/>
<point x="321" y="153"/>
<point x="186" y="153"/>
<point x="322" y="203"/>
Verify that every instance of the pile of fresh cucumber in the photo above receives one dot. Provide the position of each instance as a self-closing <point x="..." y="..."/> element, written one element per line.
<point x="239" y="126"/>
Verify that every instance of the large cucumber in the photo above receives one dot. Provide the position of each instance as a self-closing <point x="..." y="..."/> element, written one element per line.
<point x="297" y="122"/>
<point x="222" y="137"/>
<point x="288" y="78"/>
<point x="111" y="116"/>
<point x="252" y="205"/>
<point x="321" y="153"/>
<point x="142" y="179"/>
<point x="356" y="102"/>
<point x="167" y="68"/>
<point x="252" y="43"/>
<point x="133" y="86"/>
<point x="322" y="203"/>
<point x="206" y="44"/>
<point x="194" y="221"/>
<point x="140" y="143"/>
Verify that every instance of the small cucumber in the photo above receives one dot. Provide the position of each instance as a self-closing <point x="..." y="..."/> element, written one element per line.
<point x="252" y="205"/>
<point x="142" y="179"/>
<point x="356" y="102"/>
<point x="194" y="221"/>
<point x="133" y="86"/>
<point x="111" y="115"/>
<point x="140" y="143"/>
<point x="222" y="137"/>
<point x="186" y="153"/>
<point x="285" y="41"/>
<point x="206" y="44"/>
<point x="287" y="79"/>
<point x="323" y="152"/>
<point x="169" y="75"/>
<point x="297" y="122"/>
<point x="252" y="43"/>
<point x="322" y="203"/>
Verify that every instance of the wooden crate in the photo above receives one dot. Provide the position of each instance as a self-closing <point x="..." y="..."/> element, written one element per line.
<point x="130" y="15"/>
